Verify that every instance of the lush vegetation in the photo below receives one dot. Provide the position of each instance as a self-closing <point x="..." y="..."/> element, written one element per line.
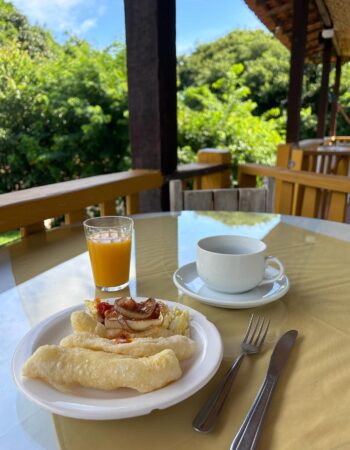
<point x="266" y="74"/>
<point x="63" y="108"/>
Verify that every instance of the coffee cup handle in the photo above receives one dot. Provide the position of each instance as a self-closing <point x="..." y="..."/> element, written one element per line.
<point x="268" y="261"/>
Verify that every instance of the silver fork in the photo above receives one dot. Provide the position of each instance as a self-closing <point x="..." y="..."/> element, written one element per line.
<point x="252" y="343"/>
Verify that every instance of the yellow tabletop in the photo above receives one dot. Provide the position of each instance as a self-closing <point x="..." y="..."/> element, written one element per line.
<point x="46" y="273"/>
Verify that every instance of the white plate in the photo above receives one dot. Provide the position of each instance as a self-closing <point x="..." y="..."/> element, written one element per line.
<point x="95" y="404"/>
<point x="187" y="280"/>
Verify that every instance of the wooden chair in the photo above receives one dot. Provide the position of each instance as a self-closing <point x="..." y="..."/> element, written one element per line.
<point x="301" y="193"/>
<point x="310" y="144"/>
<point x="234" y="199"/>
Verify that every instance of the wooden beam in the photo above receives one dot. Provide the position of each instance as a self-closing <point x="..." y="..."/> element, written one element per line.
<point x="324" y="13"/>
<point x="278" y="9"/>
<point x="336" y="183"/>
<point x="218" y="180"/>
<point x="323" y="99"/>
<point x="151" y="62"/>
<point x="311" y="26"/>
<point x="30" y="206"/>
<point x="32" y="229"/>
<point x="300" y="18"/>
<point x="186" y="171"/>
<point x="335" y="95"/>
<point x="327" y="21"/>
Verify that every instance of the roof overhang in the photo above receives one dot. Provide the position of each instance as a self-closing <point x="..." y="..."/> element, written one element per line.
<point x="277" y="16"/>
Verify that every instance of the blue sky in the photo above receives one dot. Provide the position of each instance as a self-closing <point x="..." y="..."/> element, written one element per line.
<point x="102" y="21"/>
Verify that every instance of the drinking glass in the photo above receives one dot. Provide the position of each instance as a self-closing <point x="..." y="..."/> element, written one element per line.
<point x="109" y="243"/>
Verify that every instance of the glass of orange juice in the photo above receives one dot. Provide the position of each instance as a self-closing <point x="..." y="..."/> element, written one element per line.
<point x="109" y="244"/>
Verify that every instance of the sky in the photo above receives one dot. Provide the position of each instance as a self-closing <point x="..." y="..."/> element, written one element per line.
<point x="101" y="22"/>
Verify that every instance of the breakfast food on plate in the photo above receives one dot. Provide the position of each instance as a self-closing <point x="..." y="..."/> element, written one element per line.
<point x="125" y="316"/>
<point x="82" y="322"/>
<point x="182" y="346"/>
<point x="63" y="367"/>
<point x="121" y="344"/>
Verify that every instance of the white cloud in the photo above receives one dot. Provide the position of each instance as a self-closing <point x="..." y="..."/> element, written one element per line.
<point x="75" y="16"/>
<point x="86" y="25"/>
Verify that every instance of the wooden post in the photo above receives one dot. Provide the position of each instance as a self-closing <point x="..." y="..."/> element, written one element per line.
<point x="151" y="62"/>
<point x="32" y="229"/>
<point x="76" y="216"/>
<point x="334" y="112"/>
<point x="217" y="180"/>
<point x="323" y="100"/>
<point x="300" y="20"/>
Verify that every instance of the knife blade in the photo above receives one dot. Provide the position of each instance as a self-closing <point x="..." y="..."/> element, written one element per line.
<point x="249" y="432"/>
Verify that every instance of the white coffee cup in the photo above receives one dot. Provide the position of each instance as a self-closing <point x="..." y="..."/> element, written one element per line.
<point x="234" y="264"/>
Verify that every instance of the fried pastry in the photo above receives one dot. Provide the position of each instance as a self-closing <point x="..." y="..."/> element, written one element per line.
<point x="64" y="367"/>
<point x="83" y="322"/>
<point x="183" y="346"/>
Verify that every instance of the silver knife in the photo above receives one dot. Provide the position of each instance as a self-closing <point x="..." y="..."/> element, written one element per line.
<point x="248" y="435"/>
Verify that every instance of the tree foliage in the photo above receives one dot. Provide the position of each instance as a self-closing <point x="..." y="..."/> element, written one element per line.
<point x="266" y="65"/>
<point x="264" y="59"/>
<point x="220" y="115"/>
<point x="63" y="108"/>
<point x="15" y="27"/>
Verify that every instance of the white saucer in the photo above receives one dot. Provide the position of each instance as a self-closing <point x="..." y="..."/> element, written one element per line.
<point x="187" y="280"/>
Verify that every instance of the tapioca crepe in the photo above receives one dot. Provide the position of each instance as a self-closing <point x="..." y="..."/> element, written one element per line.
<point x="62" y="367"/>
<point x="182" y="346"/>
<point x="149" y="318"/>
<point x="142" y="352"/>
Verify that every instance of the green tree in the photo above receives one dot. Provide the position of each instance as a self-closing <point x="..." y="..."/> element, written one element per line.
<point x="63" y="108"/>
<point x="15" y="27"/>
<point x="62" y="116"/>
<point x="265" y="62"/>
<point x="220" y="115"/>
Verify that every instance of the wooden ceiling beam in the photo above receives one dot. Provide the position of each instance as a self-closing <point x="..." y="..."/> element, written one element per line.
<point x="278" y="9"/>
<point x="324" y="13"/>
<point x="276" y="15"/>
<point x="310" y="27"/>
<point x="313" y="50"/>
<point x="310" y="36"/>
<point x="327" y="21"/>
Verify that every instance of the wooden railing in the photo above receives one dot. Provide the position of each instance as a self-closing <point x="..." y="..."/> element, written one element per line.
<point x="300" y="192"/>
<point x="211" y="171"/>
<point x="321" y="161"/>
<point x="27" y="209"/>
<point x="330" y="140"/>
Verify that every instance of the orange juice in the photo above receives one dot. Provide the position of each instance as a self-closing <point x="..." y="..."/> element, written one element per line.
<point x="110" y="259"/>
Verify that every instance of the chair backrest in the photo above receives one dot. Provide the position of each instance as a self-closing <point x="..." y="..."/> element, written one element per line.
<point x="328" y="160"/>
<point x="303" y="193"/>
<point x="234" y="199"/>
<point x="310" y="144"/>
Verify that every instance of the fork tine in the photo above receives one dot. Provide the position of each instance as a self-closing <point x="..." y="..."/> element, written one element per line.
<point x="248" y="329"/>
<point x="254" y="331"/>
<point x="265" y="333"/>
<point x="259" y="332"/>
